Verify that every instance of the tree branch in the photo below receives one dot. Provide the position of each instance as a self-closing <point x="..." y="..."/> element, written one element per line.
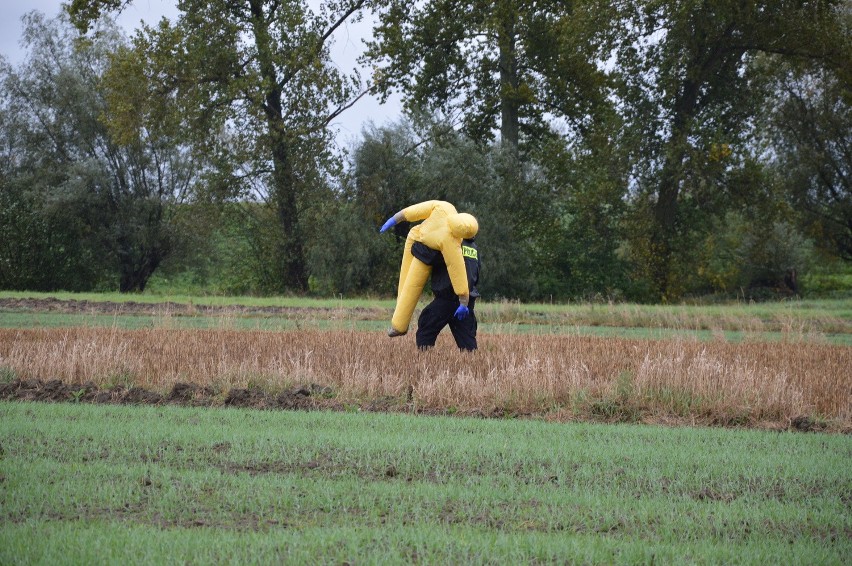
<point x="288" y="76"/>
<point x="340" y="109"/>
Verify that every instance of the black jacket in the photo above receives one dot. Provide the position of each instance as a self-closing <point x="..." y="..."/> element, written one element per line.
<point x="441" y="285"/>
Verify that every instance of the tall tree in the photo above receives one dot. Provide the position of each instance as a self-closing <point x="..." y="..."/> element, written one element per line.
<point x="256" y="91"/>
<point x="488" y="65"/>
<point x="688" y="89"/>
<point x="809" y="130"/>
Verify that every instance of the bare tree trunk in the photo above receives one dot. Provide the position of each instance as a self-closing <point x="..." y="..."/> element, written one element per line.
<point x="284" y="185"/>
<point x="509" y="83"/>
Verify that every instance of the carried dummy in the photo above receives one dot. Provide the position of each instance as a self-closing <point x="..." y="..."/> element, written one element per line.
<point x="442" y="230"/>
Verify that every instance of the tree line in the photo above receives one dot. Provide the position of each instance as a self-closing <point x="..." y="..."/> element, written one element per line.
<point x="649" y="150"/>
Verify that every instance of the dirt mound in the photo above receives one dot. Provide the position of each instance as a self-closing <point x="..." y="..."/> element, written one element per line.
<point x="303" y="398"/>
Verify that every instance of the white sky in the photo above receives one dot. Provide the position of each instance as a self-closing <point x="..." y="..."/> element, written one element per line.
<point x="348" y="45"/>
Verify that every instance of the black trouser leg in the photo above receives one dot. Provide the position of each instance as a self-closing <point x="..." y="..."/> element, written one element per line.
<point x="464" y="331"/>
<point x="438" y="314"/>
<point x="433" y="319"/>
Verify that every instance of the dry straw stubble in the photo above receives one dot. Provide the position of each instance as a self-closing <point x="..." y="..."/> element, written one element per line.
<point x="561" y="376"/>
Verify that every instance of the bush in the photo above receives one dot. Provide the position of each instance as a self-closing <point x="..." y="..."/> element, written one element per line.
<point x="760" y="259"/>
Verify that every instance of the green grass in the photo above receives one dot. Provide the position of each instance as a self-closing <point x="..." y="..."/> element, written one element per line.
<point x="213" y="300"/>
<point x="277" y="323"/>
<point x="824" y="314"/>
<point x="793" y="308"/>
<point x="150" y="485"/>
<point x="260" y="322"/>
<point x="821" y="320"/>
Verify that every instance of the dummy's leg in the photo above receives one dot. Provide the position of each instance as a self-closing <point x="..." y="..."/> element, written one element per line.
<point x="418" y="273"/>
<point x="403" y="275"/>
<point x="406" y="264"/>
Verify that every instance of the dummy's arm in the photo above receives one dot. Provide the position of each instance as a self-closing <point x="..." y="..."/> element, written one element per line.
<point x="392" y="221"/>
<point x="419" y="211"/>
<point x="458" y="275"/>
<point x="413" y="213"/>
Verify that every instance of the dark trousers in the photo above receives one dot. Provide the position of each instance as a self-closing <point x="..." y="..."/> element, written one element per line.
<point x="438" y="314"/>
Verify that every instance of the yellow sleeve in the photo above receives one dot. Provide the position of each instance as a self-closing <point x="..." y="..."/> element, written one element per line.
<point x="419" y="211"/>
<point x="455" y="267"/>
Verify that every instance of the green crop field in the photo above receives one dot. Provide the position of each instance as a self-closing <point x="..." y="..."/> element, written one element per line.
<point x="84" y="484"/>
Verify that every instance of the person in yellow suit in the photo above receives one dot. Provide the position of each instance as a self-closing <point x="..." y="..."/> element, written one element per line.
<point x="442" y="230"/>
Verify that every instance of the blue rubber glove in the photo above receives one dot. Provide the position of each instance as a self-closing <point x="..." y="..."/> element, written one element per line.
<point x="462" y="312"/>
<point x="388" y="225"/>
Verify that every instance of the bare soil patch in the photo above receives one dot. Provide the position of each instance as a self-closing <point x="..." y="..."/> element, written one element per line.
<point x="188" y="394"/>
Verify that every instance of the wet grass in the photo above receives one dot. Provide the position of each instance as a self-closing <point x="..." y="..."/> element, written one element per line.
<point x="277" y="323"/>
<point x="210" y="300"/>
<point x="94" y="484"/>
<point x="826" y="321"/>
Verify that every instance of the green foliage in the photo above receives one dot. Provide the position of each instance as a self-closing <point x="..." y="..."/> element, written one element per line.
<point x="833" y="279"/>
<point x="43" y="245"/>
<point x="86" y="483"/>
<point x="84" y="13"/>
<point x="96" y="202"/>
<point x="385" y="171"/>
<point x="348" y="258"/>
<point x="211" y="257"/>
<point x="808" y="125"/>
<point x="503" y="65"/>
<point x="744" y="255"/>
<point x="581" y="258"/>
<point x="649" y="150"/>
<point x="688" y="91"/>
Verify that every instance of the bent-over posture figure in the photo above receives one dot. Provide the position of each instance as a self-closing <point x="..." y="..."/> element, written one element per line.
<point x="442" y="230"/>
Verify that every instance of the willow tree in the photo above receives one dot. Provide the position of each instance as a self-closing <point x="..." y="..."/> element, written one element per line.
<point x="95" y="208"/>
<point x="254" y="90"/>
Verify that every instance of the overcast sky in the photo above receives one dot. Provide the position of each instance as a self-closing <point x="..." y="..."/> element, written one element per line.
<point x="348" y="45"/>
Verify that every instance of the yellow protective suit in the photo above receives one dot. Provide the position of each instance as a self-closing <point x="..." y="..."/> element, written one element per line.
<point x="442" y="229"/>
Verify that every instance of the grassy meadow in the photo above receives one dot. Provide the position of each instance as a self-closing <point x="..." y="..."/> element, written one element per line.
<point x="82" y="484"/>
<point x="825" y="320"/>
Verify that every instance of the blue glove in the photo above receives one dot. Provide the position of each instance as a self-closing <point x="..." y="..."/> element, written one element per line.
<point x="388" y="225"/>
<point x="462" y="312"/>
